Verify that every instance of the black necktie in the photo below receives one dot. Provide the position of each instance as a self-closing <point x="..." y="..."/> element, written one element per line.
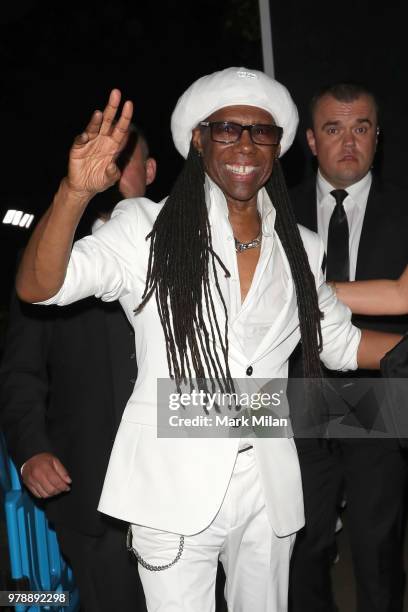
<point x="338" y="266"/>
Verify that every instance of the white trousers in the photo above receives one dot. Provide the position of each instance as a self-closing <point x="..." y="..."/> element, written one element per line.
<point x="255" y="560"/>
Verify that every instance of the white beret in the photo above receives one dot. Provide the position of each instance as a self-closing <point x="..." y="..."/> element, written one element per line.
<point x="230" y="87"/>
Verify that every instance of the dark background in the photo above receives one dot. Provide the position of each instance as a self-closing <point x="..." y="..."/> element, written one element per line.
<point x="316" y="43"/>
<point x="60" y="60"/>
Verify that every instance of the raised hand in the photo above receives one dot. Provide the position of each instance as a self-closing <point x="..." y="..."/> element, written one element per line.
<point x="92" y="166"/>
<point x="45" y="476"/>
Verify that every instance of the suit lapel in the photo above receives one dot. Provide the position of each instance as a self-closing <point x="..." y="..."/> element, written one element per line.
<point x="372" y="225"/>
<point x="279" y="325"/>
<point x="283" y="321"/>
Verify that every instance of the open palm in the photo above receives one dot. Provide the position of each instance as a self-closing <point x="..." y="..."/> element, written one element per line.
<point x="92" y="166"/>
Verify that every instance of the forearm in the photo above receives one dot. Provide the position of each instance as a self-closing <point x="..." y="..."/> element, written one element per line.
<point x="374" y="297"/>
<point x="373" y="346"/>
<point x="42" y="269"/>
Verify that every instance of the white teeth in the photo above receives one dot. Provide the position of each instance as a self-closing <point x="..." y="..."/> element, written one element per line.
<point x="240" y="169"/>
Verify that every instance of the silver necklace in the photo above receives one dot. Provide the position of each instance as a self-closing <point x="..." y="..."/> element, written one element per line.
<point x="240" y="247"/>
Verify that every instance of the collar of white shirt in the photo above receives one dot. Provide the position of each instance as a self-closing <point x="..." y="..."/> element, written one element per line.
<point x="217" y="206"/>
<point x="357" y="193"/>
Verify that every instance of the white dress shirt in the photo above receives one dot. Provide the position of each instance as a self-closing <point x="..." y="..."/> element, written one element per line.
<point x="178" y="484"/>
<point x="354" y="205"/>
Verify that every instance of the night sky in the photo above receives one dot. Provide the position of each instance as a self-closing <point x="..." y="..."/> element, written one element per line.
<point x="60" y="60"/>
<point x="61" y="63"/>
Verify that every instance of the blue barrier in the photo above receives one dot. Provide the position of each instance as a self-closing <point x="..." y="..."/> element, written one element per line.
<point x="33" y="545"/>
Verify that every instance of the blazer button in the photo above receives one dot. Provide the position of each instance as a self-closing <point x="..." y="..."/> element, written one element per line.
<point x="133" y="356"/>
<point x="249" y="371"/>
<point x="132" y="380"/>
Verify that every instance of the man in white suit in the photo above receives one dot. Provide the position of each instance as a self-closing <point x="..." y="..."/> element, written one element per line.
<point x="236" y="284"/>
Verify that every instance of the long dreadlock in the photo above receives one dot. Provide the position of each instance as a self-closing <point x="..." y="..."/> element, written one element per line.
<point x="308" y="306"/>
<point x="181" y="261"/>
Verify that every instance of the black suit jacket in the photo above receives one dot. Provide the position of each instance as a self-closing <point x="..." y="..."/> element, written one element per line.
<point x="383" y="248"/>
<point x="382" y="253"/>
<point x="66" y="375"/>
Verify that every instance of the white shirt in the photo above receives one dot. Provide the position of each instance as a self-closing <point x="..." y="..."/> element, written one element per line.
<point x="178" y="485"/>
<point x="354" y="205"/>
<point x="251" y="319"/>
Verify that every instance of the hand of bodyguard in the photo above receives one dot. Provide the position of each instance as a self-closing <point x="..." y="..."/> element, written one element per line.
<point x="45" y="476"/>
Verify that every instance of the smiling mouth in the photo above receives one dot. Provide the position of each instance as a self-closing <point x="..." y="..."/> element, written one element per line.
<point x="240" y="170"/>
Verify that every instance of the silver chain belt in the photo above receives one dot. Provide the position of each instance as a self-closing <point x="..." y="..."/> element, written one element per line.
<point x="148" y="566"/>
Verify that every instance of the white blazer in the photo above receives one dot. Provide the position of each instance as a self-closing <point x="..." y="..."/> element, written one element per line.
<point x="178" y="484"/>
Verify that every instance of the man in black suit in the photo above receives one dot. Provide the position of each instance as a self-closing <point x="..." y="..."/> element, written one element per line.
<point x="364" y="225"/>
<point x="66" y="376"/>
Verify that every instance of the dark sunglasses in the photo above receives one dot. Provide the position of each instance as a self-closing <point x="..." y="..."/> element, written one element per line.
<point x="228" y="132"/>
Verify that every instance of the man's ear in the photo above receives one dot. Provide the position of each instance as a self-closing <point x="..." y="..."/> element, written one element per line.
<point x="311" y="141"/>
<point x="278" y="150"/>
<point x="151" y="168"/>
<point x="377" y="133"/>
<point x="196" y="140"/>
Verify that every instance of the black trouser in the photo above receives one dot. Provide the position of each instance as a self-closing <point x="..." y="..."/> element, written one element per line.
<point x="373" y="473"/>
<point x="105" y="572"/>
